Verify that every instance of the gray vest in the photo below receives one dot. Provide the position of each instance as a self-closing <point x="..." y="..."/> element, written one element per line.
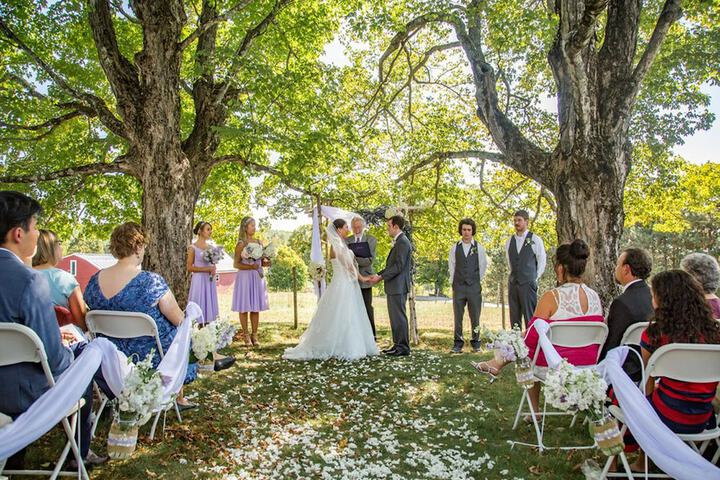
<point x="467" y="270"/>
<point x="523" y="264"/>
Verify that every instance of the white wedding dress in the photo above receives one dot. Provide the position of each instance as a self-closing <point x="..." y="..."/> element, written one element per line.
<point x="340" y="327"/>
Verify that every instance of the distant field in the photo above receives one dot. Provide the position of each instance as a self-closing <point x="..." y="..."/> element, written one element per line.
<point x="435" y="314"/>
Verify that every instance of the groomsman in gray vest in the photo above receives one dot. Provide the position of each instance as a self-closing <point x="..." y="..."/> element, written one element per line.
<point x="365" y="265"/>
<point x="526" y="258"/>
<point x="467" y="264"/>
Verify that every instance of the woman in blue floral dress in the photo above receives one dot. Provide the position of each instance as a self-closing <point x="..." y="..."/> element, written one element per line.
<point x="125" y="287"/>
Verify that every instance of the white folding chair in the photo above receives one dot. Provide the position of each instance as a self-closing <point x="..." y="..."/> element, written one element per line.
<point x="685" y="362"/>
<point x="19" y="344"/>
<point x="126" y="325"/>
<point x="571" y="334"/>
<point x="633" y="333"/>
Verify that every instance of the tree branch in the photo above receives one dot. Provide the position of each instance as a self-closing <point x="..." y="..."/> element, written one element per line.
<point x="205" y="26"/>
<point x="50" y="125"/>
<point x="671" y="12"/>
<point x="441" y="156"/>
<point x="98" y="104"/>
<point x="120" y="72"/>
<point x="119" y="165"/>
<point x="244" y="160"/>
<point x="586" y="27"/>
<point x="247" y="41"/>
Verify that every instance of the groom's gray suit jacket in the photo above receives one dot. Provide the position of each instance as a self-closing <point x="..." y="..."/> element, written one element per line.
<point x="396" y="274"/>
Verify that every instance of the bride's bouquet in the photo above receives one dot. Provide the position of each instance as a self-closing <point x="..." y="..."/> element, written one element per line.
<point x="318" y="271"/>
<point x="212" y="255"/>
<point x="142" y="394"/>
<point x="509" y="345"/>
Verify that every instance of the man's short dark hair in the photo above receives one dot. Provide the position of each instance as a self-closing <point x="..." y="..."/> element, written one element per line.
<point x="522" y="213"/>
<point x="16" y="210"/>
<point x="467" y="221"/>
<point x="639" y="261"/>
<point x="398" y="221"/>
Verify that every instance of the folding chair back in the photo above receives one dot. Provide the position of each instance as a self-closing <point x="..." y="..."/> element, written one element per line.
<point x="573" y="334"/>
<point x="19" y="344"/>
<point x="686" y="362"/>
<point x="633" y="333"/>
<point x="123" y="325"/>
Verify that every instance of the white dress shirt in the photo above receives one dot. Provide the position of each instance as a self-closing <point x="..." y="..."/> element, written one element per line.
<point x="482" y="258"/>
<point x="538" y="248"/>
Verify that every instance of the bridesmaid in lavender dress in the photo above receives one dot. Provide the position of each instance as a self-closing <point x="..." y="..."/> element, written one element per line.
<point x="250" y="294"/>
<point x="203" y="290"/>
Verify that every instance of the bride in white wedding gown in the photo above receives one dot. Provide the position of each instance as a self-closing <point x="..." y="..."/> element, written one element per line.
<point x="340" y="327"/>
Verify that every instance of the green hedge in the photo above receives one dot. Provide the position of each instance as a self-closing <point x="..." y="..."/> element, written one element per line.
<point x="280" y="274"/>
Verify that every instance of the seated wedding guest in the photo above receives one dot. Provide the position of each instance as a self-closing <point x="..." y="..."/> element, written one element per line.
<point x="706" y="271"/>
<point x="64" y="289"/>
<point x="125" y="287"/>
<point x="573" y="300"/>
<point x="634" y="305"/>
<point x="25" y="298"/>
<point x="681" y="316"/>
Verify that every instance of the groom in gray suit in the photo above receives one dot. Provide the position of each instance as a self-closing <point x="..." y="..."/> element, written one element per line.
<point x="397" y="278"/>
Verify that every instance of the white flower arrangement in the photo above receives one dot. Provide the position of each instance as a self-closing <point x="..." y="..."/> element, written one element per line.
<point x="573" y="389"/>
<point x="510" y="344"/>
<point x="318" y="271"/>
<point x="252" y="251"/>
<point x="143" y="391"/>
<point x="203" y="341"/>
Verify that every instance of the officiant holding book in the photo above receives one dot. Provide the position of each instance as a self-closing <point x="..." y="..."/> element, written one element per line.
<point x="363" y="246"/>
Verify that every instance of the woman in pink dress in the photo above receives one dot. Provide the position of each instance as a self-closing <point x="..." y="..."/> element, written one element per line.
<point x="571" y="301"/>
<point x="250" y="296"/>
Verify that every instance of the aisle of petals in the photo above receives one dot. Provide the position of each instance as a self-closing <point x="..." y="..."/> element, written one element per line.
<point x="378" y="418"/>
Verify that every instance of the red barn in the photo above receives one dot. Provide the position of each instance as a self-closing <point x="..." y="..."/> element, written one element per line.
<point x="85" y="265"/>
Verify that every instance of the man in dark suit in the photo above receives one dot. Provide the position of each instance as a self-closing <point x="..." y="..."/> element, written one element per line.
<point x="365" y="265"/>
<point x="25" y="299"/>
<point x="397" y="278"/>
<point x="634" y="304"/>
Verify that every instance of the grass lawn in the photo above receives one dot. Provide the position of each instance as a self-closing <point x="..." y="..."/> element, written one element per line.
<point x="424" y="416"/>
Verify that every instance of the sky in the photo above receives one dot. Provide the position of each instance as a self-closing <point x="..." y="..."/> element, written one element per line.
<point x="698" y="148"/>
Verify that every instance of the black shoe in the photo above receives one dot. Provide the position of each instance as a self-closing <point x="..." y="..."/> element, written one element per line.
<point x="399" y="353"/>
<point x="477" y="349"/>
<point x="187" y="406"/>
<point x="456" y="350"/>
<point x="92" y="460"/>
<point x="224" y="363"/>
<point x="388" y="350"/>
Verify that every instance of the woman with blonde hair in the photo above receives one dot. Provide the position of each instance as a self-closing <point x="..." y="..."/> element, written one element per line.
<point x="64" y="288"/>
<point x="250" y="296"/>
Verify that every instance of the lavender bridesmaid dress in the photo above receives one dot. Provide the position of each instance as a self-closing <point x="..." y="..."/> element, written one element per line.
<point x="250" y="293"/>
<point x="203" y="290"/>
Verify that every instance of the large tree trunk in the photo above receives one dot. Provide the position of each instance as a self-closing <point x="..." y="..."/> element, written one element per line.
<point x="169" y="196"/>
<point x="589" y="200"/>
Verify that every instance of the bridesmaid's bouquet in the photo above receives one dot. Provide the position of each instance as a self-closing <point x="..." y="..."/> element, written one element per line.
<point x="212" y="255"/>
<point x="252" y="251"/>
<point x="270" y="251"/>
